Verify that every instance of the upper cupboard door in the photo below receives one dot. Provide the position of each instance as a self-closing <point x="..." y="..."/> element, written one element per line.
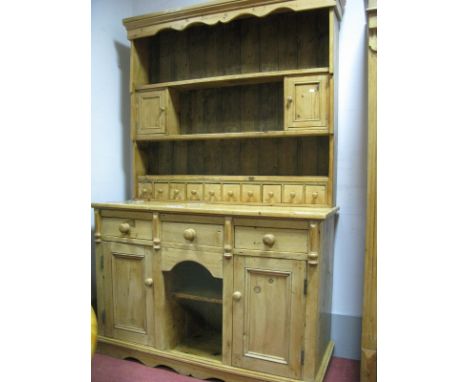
<point x="268" y="315"/>
<point x="306" y="102"/>
<point x="151" y="112"/>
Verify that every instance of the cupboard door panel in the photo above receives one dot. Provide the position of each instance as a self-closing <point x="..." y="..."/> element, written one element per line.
<point x="151" y="118"/>
<point x="130" y="304"/>
<point x="268" y="315"/>
<point x="306" y="102"/>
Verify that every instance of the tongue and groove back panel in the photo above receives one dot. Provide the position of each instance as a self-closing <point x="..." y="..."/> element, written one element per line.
<point x="267" y="156"/>
<point x="278" y="42"/>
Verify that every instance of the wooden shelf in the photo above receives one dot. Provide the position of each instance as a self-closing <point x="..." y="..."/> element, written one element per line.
<point x="232" y="80"/>
<point x="197" y="297"/>
<point x="237" y="135"/>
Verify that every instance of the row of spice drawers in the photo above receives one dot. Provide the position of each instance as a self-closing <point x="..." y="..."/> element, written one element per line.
<point x="198" y="235"/>
<point x="234" y="193"/>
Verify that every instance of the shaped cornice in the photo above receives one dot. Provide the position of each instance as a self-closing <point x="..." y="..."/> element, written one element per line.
<point x="218" y="12"/>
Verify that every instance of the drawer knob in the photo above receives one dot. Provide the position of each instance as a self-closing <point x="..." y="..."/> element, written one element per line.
<point x="314" y="196"/>
<point x="193" y="192"/>
<point x="144" y="191"/>
<point x="190" y="234"/>
<point x="211" y="193"/>
<point x="237" y="295"/>
<point x="269" y="239"/>
<point x="230" y="194"/>
<point x="176" y="191"/>
<point x="271" y="194"/>
<point x="160" y="191"/>
<point x="124" y="228"/>
<point x="149" y="282"/>
<point x="292" y="195"/>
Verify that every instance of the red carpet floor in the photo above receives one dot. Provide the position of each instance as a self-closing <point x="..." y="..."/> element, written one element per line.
<point x="107" y="369"/>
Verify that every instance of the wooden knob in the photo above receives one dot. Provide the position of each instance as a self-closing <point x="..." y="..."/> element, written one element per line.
<point x="190" y="234"/>
<point x="292" y="195"/>
<point x="144" y="191"/>
<point x="237" y="295"/>
<point x="162" y="108"/>
<point x="270" y="194"/>
<point x="212" y="193"/>
<point x="149" y="282"/>
<point x="124" y="228"/>
<point x="269" y="239"/>
<point x="156" y="243"/>
<point x="227" y="255"/>
<point x="230" y="194"/>
<point x="176" y="191"/>
<point x="314" y="195"/>
<point x="193" y="192"/>
<point x="160" y="191"/>
<point x="290" y="99"/>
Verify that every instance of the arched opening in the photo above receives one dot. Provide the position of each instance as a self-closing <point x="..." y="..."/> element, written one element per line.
<point x="195" y="298"/>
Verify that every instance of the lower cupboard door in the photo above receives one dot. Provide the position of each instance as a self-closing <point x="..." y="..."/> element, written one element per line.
<point x="268" y="315"/>
<point x="130" y="296"/>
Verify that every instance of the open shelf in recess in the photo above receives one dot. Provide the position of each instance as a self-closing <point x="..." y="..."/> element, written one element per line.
<point x="198" y="297"/>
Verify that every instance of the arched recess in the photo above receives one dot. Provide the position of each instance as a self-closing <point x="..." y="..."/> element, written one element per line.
<point x="195" y="299"/>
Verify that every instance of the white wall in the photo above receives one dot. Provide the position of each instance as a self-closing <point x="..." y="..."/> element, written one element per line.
<point x="110" y="121"/>
<point x="351" y="174"/>
<point x="111" y="154"/>
<point x="110" y="59"/>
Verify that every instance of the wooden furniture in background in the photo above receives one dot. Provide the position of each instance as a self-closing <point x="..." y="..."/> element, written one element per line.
<point x="369" y="314"/>
<point x="221" y="265"/>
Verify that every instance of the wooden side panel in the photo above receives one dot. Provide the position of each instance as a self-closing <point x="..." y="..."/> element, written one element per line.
<point x="268" y="299"/>
<point x="327" y="235"/>
<point x="369" y="313"/>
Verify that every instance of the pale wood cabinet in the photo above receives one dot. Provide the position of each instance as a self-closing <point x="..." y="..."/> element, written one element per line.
<point x="221" y="264"/>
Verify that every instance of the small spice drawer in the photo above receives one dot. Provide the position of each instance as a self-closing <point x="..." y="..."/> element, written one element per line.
<point x="161" y="191"/>
<point x="231" y="193"/>
<point x="271" y="193"/>
<point x="270" y="239"/>
<point x="177" y="192"/>
<point x="194" y="192"/>
<point x="316" y="195"/>
<point x="251" y="193"/>
<point x="145" y="190"/>
<point x="192" y="234"/>
<point x="293" y="194"/>
<point x="126" y="228"/>
<point x="212" y="192"/>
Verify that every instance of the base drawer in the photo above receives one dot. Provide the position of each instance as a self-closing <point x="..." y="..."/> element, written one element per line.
<point x="270" y="239"/>
<point x="126" y="228"/>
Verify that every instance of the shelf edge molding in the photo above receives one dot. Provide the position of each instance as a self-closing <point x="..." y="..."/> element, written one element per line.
<point x="218" y="11"/>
